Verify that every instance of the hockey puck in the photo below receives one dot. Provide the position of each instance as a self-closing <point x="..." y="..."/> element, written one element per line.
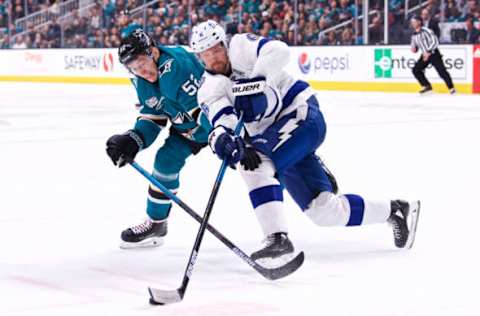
<point x="152" y="302"/>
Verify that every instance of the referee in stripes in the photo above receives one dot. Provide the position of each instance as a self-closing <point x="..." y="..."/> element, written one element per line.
<point x="424" y="39"/>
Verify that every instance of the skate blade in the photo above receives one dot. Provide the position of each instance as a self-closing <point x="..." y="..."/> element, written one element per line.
<point x="412" y="223"/>
<point x="147" y="243"/>
<point x="273" y="263"/>
<point x="426" y="93"/>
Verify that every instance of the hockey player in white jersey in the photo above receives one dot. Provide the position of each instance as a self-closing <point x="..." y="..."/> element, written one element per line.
<point x="283" y="127"/>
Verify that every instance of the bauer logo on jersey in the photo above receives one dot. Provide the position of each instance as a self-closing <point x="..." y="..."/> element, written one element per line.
<point x="304" y="63"/>
<point x="248" y="88"/>
<point x="252" y="37"/>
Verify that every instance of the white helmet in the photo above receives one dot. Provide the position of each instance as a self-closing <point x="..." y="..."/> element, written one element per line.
<point x="205" y="35"/>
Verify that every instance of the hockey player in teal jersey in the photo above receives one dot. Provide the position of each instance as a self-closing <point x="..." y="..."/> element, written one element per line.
<point x="166" y="80"/>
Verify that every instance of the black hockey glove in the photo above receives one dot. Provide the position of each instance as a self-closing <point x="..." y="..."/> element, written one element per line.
<point x="252" y="160"/>
<point x="123" y="148"/>
<point x="227" y="145"/>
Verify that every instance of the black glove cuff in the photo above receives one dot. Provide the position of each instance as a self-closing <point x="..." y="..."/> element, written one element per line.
<point x="137" y="138"/>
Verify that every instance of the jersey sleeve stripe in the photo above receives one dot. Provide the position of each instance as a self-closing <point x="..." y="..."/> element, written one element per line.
<point x="262" y="42"/>
<point x="294" y="90"/>
<point x="274" y="110"/>
<point x="224" y="111"/>
<point x="162" y="122"/>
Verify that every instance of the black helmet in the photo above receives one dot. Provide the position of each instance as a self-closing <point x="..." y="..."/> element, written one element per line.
<point x="417" y="18"/>
<point x="136" y="43"/>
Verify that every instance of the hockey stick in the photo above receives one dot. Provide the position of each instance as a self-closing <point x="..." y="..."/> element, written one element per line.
<point x="162" y="297"/>
<point x="166" y="297"/>
<point x="270" y="274"/>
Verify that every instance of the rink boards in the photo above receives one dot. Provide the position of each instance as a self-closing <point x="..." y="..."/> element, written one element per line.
<point x="347" y="68"/>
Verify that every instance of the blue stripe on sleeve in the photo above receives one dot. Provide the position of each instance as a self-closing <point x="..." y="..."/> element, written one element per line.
<point x="294" y="90"/>
<point x="262" y="42"/>
<point x="266" y="194"/>
<point x="225" y="111"/>
<point x="357" y="208"/>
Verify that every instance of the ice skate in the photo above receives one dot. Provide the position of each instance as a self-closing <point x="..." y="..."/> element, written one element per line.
<point x="276" y="251"/>
<point x="404" y="219"/>
<point x="148" y="234"/>
<point x="426" y="90"/>
<point x="330" y="176"/>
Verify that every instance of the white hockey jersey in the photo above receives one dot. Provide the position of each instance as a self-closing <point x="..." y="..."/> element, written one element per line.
<point x="252" y="56"/>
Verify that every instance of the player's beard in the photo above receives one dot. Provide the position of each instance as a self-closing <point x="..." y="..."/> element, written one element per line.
<point x="221" y="67"/>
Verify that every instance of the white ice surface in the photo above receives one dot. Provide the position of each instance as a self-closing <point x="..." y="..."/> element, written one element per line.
<point x="63" y="206"/>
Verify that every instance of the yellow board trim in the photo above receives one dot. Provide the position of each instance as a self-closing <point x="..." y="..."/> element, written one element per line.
<point x="317" y="85"/>
<point x="385" y="86"/>
<point x="65" y="79"/>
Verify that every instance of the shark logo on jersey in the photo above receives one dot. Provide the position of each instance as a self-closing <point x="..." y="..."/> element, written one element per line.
<point x="165" y="67"/>
<point x="155" y="103"/>
<point x="152" y="102"/>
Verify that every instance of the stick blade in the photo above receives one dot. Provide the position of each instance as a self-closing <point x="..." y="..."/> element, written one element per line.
<point x="162" y="297"/>
<point x="285" y="270"/>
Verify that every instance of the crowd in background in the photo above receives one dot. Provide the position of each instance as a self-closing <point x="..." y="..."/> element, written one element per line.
<point x="101" y="23"/>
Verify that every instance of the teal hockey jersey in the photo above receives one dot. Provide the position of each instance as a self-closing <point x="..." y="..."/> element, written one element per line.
<point x="172" y="98"/>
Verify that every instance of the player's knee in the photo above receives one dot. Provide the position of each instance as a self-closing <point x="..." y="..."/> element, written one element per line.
<point x="264" y="175"/>
<point x="328" y="209"/>
<point x="170" y="158"/>
<point x="168" y="164"/>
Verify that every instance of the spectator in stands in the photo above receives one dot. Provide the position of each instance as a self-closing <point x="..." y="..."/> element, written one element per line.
<point x="18" y="11"/>
<point x="397" y="7"/>
<point x="347" y="37"/>
<point x="30" y="31"/>
<point x="473" y="34"/>
<point x="54" y="34"/>
<point x="3" y="21"/>
<point x="3" y="8"/>
<point x="4" y="41"/>
<point x="376" y="29"/>
<point x="108" y="13"/>
<point x="430" y="22"/>
<point x="346" y="11"/>
<point x="398" y="34"/>
<point x="32" y="6"/>
<point x="331" y="39"/>
<point x="469" y="9"/>
<point x="452" y="12"/>
<point x="19" y="43"/>
<point x="38" y="42"/>
<point x="3" y="14"/>
<point x="169" y="21"/>
<point x="476" y="14"/>
<point x="55" y="8"/>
